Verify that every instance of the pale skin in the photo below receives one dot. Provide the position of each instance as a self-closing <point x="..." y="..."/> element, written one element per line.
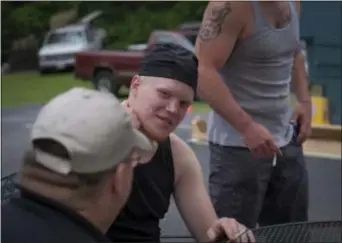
<point x="223" y="24"/>
<point x="158" y="105"/>
<point x="193" y="201"/>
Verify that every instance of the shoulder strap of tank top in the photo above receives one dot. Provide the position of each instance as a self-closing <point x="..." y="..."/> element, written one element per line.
<point x="166" y="152"/>
<point x="259" y="18"/>
<point x="168" y="158"/>
<point x="258" y="15"/>
<point x="293" y="10"/>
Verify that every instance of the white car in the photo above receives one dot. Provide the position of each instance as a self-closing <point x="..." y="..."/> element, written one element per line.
<point x="60" y="45"/>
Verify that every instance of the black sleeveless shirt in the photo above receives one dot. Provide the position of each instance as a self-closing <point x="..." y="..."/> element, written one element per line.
<point x="152" y="188"/>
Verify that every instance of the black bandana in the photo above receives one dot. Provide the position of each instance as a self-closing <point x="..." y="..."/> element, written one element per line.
<point x="171" y="61"/>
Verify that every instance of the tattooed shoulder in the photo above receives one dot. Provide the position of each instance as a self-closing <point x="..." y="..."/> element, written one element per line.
<point x="213" y="21"/>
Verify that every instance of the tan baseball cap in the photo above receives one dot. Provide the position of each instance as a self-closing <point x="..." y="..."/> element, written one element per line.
<point x="93" y="127"/>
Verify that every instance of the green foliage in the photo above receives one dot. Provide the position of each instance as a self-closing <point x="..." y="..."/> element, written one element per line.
<point x="31" y="88"/>
<point x="126" y="22"/>
<point x="132" y="22"/>
<point x="21" y="20"/>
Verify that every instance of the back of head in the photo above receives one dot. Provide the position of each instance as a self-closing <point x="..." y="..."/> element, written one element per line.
<point x="78" y="140"/>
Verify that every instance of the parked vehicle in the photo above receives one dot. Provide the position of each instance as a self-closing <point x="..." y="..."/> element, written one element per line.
<point x="137" y="47"/>
<point x="109" y="70"/>
<point x="60" y="45"/>
<point x="190" y="30"/>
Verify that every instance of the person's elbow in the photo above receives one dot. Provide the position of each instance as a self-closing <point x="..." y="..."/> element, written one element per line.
<point x="206" y="69"/>
<point x="298" y="62"/>
<point x="299" y="58"/>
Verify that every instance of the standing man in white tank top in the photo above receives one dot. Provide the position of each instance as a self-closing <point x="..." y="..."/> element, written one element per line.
<point x="249" y="53"/>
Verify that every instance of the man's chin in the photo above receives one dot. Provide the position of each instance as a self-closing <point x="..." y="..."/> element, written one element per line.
<point x="158" y="137"/>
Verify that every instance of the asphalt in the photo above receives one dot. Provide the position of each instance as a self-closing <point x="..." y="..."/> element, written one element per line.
<point x="324" y="174"/>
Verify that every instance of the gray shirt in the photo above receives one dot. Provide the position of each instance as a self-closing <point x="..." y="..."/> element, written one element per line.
<point x="258" y="74"/>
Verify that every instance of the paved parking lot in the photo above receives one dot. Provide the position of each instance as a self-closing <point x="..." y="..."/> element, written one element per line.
<point x="324" y="174"/>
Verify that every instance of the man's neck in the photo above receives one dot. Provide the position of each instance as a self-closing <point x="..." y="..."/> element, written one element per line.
<point x="100" y="219"/>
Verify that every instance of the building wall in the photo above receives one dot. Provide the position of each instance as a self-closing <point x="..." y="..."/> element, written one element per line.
<point x="321" y="29"/>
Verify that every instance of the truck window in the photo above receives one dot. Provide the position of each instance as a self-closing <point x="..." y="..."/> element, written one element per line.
<point x="183" y="41"/>
<point x="174" y="38"/>
<point x="64" y="37"/>
<point x="192" y="38"/>
<point x="90" y="34"/>
<point x="164" y="38"/>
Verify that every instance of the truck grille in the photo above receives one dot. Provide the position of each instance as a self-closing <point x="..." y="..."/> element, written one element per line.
<point x="58" y="57"/>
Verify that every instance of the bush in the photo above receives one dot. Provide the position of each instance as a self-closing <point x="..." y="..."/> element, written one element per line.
<point x="125" y="22"/>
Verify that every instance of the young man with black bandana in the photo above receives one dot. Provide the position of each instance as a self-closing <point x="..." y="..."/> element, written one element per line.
<point x="159" y="97"/>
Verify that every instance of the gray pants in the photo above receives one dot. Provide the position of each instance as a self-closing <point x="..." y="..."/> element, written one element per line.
<point x="253" y="190"/>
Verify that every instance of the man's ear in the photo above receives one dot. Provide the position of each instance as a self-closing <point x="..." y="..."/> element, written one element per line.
<point x="135" y="82"/>
<point x="119" y="178"/>
<point x="116" y="179"/>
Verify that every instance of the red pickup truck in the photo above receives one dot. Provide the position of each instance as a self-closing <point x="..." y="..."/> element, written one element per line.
<point x="109" y="70"/>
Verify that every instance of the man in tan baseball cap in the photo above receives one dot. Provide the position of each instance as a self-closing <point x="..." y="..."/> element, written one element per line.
<point x="78" y="174"/>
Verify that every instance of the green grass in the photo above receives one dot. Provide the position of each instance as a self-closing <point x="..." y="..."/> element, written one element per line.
<point x="31" y="88"/>
<point x="200" y="107"/>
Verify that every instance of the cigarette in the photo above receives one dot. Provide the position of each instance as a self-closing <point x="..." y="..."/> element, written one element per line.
<point x="240" y="233"/>
<point x="274" y="162"/>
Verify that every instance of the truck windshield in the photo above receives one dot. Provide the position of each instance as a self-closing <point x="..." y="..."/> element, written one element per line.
<point x="65" y="37"/>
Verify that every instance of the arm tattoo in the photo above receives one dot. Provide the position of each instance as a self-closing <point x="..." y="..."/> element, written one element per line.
<point x="211" y="26"/>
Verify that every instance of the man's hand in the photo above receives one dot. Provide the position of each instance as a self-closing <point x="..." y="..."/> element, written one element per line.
<point x="259" y="140"/>
<point x="136" y="123"/>
<point x="235" y="231"/>
<point x="302" y="116"/>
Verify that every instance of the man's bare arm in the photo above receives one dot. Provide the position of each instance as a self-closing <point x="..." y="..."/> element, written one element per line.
<point x="191" y="195"/>
<point x="299" y="75"/>
<point x="221" y="26"/>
